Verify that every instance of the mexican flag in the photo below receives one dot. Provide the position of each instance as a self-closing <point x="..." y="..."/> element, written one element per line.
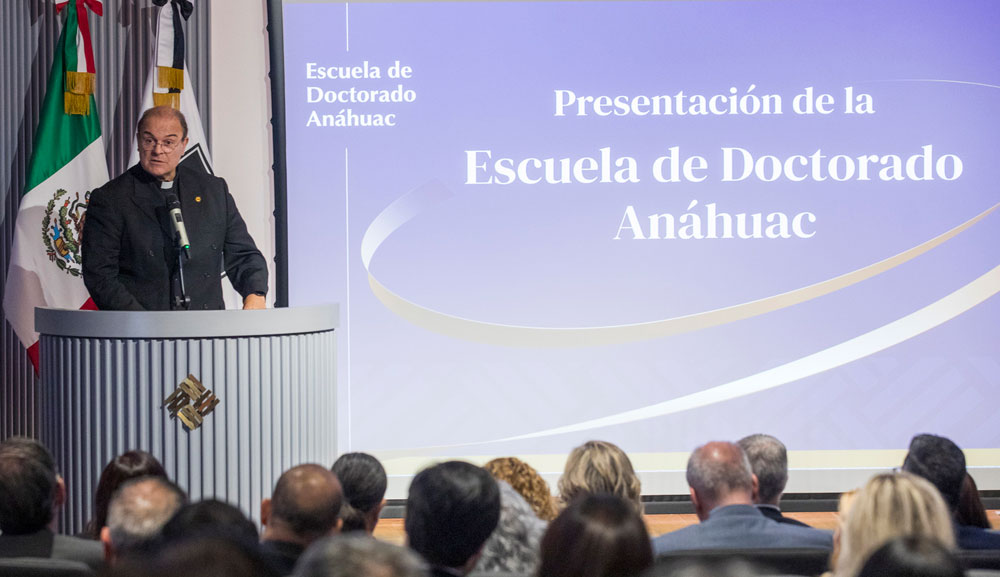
<point x="66" y="164"/>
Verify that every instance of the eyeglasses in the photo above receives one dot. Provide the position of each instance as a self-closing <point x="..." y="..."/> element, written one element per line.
<point x="149" y="143"/>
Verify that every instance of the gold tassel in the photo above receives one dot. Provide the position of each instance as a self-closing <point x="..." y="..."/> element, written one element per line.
<point x="78" y="104"/>
<point x="171" y="99"/>
<point x="80" y="82"/>
<point x="167" y="77"/>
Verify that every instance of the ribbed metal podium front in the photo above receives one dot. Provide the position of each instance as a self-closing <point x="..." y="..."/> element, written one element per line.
<point x="105" y="376"/>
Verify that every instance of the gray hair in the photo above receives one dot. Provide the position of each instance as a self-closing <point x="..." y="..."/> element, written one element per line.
<point x="139" y="509"/>
<point x="769" y="461"/>
<point x="359" y="555"/>
<point x="514" y="545"/>
<point x="718" y="469"/>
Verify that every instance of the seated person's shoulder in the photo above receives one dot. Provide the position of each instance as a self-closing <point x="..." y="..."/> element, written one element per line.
<point x="977" y="538"/>
<point x="802" y="536"/>
<point x="77" y="549"/>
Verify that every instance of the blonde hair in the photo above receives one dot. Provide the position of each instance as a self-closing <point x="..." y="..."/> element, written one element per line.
<point x="843" y="506"/>
<point x="891" y="505"/>
<point x="600" y="467"/>
<point x="527" y="482"/>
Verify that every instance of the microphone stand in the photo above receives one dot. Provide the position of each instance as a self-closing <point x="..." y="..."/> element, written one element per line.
<point x="182" y="300"/>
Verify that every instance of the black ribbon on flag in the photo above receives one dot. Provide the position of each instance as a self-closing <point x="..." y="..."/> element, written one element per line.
<point x="181" y="9"/>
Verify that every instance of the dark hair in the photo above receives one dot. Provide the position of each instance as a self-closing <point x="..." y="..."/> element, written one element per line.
<point x="597" y="535"/>
<point x="163" y="111"/>
<point x="940" y="461"/>
<point x="27" y="485"/>
<point x="912" y="556"/>
<point x="705" y="566"/>
<point x="209" y="518"/>
<point x="451" y="510"/>
<point x="200" y="557"/>
<point x="363" y="481"/>
<point x="124" y="467"/>
<point x="970" y="509"/>
<point x="309" y="509"/>
<point x="769" y="461"/>
<point x="359" y="556"/>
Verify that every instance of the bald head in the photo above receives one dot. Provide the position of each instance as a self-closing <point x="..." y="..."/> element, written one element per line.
<point x="719" y="474"/>
<point x="162" y="113"/>
<point x="306" y="502"/>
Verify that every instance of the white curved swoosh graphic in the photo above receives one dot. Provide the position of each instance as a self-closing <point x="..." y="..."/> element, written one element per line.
<point x="877" y="340"/>
<point x="434" y="192"/>
<point x="880" y="339"/>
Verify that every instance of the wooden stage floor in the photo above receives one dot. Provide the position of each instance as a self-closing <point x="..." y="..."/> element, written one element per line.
<point x="392" y="529"/>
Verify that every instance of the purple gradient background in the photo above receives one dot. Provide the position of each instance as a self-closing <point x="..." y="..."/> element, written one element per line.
<point x="544" y="255"/>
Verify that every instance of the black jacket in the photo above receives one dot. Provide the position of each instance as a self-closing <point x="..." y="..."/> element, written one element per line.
<point x="129" y="255"/>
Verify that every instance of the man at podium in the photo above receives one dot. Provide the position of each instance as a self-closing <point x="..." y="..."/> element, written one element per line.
<point x="159" y="236"/>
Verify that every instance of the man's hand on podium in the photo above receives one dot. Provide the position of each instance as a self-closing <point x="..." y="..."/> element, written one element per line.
<point x="254" y="301"/>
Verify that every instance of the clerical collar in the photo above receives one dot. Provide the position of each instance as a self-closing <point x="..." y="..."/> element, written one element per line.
<point x="166" y="184"/>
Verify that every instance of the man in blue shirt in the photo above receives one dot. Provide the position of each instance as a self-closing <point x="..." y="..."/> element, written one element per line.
<point x="722" y="486"/>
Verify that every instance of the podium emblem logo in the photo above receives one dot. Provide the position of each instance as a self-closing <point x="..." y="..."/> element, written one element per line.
<point x="190" y="402"/>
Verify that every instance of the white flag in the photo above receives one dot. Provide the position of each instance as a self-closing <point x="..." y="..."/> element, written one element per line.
<point x="168" y="84"/>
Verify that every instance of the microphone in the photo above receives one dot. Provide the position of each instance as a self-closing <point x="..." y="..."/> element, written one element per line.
<point x="174" y="206"/>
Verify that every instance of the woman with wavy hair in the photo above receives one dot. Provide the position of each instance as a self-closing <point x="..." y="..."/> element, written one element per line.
<point x="527" y="482"/>
<point x="600" y="467"/>
<point x="891" y="505"/>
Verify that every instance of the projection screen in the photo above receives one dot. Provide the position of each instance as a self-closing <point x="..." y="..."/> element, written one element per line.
<point x="654" y="223"/>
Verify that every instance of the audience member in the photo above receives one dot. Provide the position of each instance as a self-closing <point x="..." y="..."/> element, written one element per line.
<point x="843" y="506"/>
<point x="513" y="545"/>
<point x="363" y="481"/>
<point x="137" y="513"/>
<point x="707" y="567"/>
<point x="129" y="465"/>
<point x="451" y="510"/>
<point x="890" y="505"/>
<point x="357" y="556"/>
<point x="912" y="556"/>
<point x="600" y="467"/>
<point x="597" y="535"/>
<point x="303" y="508"/>
<point x="31" y="492"/>
<point x="941" y="462"/>
<point x="526" y="481"/>
<point x="199" y="557"/>
<point x="769" y="462"/>
<point x="970" y="509"/>
<point x="210" y="518"/>
<point x="458" y="517"/>
<point x="722" y="487"/>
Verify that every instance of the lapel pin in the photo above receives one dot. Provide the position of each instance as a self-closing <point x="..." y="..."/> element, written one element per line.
<point x="197" y="199"/>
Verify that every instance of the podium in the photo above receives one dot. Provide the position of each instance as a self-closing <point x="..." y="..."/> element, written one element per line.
<point x="105" y="377"/>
